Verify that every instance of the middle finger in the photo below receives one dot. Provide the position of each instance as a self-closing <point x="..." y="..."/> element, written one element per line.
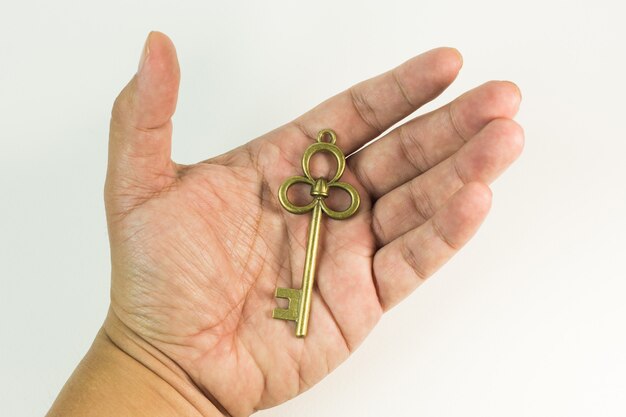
<point x="423" y="142"/>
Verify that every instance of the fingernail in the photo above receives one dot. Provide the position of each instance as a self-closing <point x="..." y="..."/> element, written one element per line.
<point x="144" y="53"/>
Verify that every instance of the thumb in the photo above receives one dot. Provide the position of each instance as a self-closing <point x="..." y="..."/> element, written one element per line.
<point x="140" y="137"/>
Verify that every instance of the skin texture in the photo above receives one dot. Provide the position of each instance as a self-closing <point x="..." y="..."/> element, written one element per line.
<point x="198" y="250"/>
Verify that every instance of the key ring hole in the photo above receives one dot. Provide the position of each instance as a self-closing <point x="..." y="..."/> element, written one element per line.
<point x="338" y="199"/>
<point x="353" y="206"/>
<point x="327" y="136"/>
<point x="299" y="194"/>
<point x="324" y="148"/>
<point x="283" y="197"/>
<point x="323" y="164"/>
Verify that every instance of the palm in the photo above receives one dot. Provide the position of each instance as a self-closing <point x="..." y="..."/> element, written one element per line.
<point x="196" y="259"/>
<point x="225" y="212"/>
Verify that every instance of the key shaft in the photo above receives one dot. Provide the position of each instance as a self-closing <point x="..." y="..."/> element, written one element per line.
<point x="308" y="276"/>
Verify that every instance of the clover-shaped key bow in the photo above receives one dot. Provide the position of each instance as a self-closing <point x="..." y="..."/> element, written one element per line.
<point x="300" y="299"/>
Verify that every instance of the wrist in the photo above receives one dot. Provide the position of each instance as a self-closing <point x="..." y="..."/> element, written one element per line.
<point x="121" y="374"/>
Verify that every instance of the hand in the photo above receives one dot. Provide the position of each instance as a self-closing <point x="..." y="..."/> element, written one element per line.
<point x="198" y="250"/>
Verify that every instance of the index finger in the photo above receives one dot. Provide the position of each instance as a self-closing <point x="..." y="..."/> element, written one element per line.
<point x="365" y="110"/>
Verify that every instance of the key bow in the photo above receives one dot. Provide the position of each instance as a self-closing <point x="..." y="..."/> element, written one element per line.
<point x="320" y="186"/>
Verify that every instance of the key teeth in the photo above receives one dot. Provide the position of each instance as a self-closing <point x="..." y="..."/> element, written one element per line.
<point x="291" y="312"/>
<point x="284" y="314"/>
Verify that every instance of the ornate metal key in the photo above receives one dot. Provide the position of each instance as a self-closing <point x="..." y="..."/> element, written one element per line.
<point x="300" y="299"/>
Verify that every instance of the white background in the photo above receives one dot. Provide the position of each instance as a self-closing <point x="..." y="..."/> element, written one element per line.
<point x="529" y="320"/>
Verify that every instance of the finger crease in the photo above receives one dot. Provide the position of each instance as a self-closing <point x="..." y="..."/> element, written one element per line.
<point x="403" y="91"/>
<point x="421" y="200"/>
<point x="411" y="260"/>
<point x="362" y="107"/>
<point x="443" y="236"/>
<point x="457" y="170"/>
<point x="379" y="233"/>
<point x="455" y="124"/>
<point x="405" y="137"/>
<point x="303" y="130"/>
<point x="361" y="175"/>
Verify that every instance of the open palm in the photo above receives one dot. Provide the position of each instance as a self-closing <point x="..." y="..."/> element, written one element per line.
<point x="198" y="250"/>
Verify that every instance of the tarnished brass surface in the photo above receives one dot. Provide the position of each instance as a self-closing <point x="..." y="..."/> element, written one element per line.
<point x="300" y="299"/>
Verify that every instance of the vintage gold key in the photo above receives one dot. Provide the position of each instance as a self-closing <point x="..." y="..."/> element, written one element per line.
<point x="299" y="307"/>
